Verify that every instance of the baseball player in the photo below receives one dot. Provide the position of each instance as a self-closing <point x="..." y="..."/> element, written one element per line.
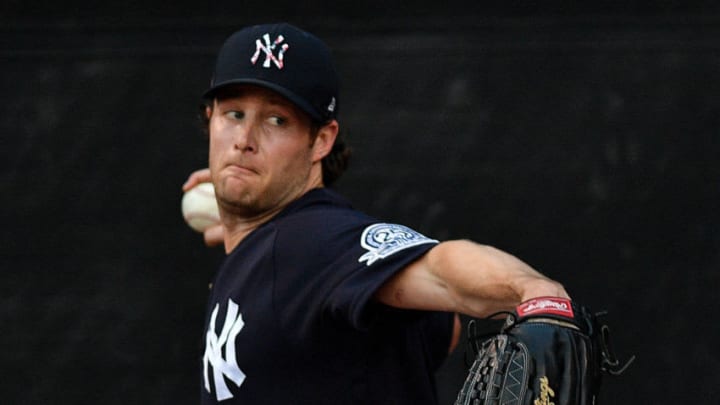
<point x="318" y="303"/>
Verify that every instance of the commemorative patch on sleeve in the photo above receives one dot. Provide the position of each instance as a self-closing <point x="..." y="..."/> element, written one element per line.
<point x="382" y="240"/>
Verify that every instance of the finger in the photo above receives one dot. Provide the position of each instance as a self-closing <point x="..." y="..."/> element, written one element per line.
<point x="195" y="178"/>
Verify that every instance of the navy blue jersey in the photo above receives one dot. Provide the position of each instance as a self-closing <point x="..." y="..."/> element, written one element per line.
<point x="291" y="319"/>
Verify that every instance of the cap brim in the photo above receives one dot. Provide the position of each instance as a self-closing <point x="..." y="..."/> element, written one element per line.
<point x="294" y="98"/>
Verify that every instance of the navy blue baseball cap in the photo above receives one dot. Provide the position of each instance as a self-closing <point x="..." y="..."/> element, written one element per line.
<point x="282" y="58"/>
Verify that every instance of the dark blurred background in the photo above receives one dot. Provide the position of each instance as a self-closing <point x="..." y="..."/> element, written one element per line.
<point x="583" y="139"/>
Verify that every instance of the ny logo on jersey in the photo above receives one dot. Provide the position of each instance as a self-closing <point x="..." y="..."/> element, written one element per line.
<point x="268" y="47"/>
<point x="223" y="367"/>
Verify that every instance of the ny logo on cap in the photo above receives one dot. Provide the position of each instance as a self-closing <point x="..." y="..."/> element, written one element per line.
<point x="269" y="47"/>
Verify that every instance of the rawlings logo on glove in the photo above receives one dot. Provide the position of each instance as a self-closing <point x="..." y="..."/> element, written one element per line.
<point x="550" y="306"/>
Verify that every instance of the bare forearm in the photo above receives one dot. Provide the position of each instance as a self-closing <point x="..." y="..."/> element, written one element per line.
<point x="482" y="279"/>
<point x="467" y="277"/>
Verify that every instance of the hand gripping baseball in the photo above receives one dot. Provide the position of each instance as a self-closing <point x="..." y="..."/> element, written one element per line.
<point x="550" y="351"/>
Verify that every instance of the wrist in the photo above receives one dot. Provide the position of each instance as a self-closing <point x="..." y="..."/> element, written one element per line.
<point x="541" y="287"/>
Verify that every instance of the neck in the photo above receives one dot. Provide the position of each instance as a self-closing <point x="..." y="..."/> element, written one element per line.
<point x="239" y="224"/>
<point x="238" y="228"/>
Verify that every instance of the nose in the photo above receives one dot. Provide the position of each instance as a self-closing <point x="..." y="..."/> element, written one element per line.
<point x="245" y="139"/>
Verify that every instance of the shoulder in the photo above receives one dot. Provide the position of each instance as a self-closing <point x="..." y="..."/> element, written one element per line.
<point x="320" y="217"/>
<point x="319" y="230"/>
<point x="328" y="222"/>
<point x="324" y="228"/>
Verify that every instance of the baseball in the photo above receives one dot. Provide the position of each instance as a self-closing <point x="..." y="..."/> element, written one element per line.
<point x="199" y="207"/>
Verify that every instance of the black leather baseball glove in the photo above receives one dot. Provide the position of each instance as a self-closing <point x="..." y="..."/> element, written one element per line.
<point x="549" y="351"/>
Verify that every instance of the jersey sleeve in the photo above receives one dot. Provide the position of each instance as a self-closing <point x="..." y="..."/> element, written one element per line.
<point x="328" y="265"/>
<point x="384" y="250"/>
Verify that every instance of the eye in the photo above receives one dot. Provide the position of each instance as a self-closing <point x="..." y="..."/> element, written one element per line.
<point x="235" y="115"/>
<point x="277" y="121"/>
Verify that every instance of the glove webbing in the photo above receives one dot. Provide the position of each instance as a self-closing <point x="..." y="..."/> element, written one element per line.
<point x="500" y="375"/>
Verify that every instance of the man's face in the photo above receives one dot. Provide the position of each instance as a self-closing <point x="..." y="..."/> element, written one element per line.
<point x="261" y="154"/>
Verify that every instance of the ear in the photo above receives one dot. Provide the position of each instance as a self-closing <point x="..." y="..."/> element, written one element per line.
<point x="325" y="140"/>
<point x="208" y="111"/>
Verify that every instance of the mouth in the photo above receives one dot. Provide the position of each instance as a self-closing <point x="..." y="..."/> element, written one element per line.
<point x="241" y="170"/>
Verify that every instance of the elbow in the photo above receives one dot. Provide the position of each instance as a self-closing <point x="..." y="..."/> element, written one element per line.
<point x="449" y="253"/>
<point x="446" y="251"/>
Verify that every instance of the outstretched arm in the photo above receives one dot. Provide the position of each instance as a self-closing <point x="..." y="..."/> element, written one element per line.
<point x="466" y="277"/>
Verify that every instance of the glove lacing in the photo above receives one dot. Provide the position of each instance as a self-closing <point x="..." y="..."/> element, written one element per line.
<point x="609" y="362"/>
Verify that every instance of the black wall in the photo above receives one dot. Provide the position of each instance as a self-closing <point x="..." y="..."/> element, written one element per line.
<point x="584" y="141"/>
